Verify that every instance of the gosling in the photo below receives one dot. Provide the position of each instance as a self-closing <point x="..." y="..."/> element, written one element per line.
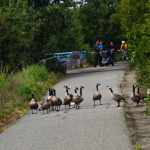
<point x="116" y="97"/>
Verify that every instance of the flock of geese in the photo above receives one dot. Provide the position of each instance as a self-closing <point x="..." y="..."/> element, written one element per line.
<point x="53" y="102"/>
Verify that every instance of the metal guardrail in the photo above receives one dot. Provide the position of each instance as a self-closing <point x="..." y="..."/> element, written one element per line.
<point x="60" y="57"/>
<point x="66" y="54"/>
<point x="44" y="60"/>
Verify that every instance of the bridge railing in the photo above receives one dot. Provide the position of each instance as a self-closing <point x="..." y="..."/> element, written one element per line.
<point x="64" y="57"/>
<point x="65" y="54"/>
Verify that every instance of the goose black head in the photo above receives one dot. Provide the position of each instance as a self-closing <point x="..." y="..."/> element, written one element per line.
<point x="110" y="89"/>
<point x="97" y="86"/>
<point x="76" y="89"/>
<point x="134" y="88"/>
<point x="33" y="94"/>
<point x="138" y="88"/>
<point x="65" y="86"/>
<point x="81" y="87"/>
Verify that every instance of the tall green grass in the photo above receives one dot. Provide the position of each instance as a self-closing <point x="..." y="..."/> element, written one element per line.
<point x="15" y="90"/>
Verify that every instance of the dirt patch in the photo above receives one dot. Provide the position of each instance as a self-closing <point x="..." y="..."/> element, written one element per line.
<point x="137" y="121"/>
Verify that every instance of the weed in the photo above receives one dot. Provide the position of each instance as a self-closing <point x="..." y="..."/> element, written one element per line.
<point x="15" y="93"/>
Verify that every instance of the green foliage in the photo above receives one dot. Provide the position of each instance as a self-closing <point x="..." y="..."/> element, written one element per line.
<point x="136" y="30"/>
<point x="90" y="58"/>
<point x="31" y="79"/>
<point x="135" y="24"/>
<point x="61" y="29"/>
<point x="54" y="65"/>
<point x="95" y="19"/>
<point x="29" y="29"/>
<point x="86" y="48"/>
<point x="15" y="94"/>
<point x="2" y="79"/>
<point x="17" y="30"/>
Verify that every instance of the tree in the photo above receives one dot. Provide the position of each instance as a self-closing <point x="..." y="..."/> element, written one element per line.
<point x="135" y="24"/>
<point x="95" y="19"/>
<point x="17" y="29"/>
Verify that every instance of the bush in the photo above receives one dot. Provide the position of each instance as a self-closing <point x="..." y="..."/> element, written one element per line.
<point x="54" y="65"/>
<point x="15" y="94"/>
<point x="2" y="79"/>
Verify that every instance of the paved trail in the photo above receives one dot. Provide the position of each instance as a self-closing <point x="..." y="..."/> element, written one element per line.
<point x="89" y="128"/>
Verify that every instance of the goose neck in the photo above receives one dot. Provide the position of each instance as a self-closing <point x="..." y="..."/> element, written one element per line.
<point x="80" y="91"/>
<point x="138" y="91"/>
<point x="32" y="95"/>
<point x="133" y="89"/>
<point x="97" y="87"/>
<point x="49" y="91"/>
<point x="111" y="90"/>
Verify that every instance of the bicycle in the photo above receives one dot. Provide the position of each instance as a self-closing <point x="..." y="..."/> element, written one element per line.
<point x="124" y="56"/>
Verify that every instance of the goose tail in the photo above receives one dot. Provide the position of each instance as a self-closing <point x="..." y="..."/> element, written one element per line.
<point x="124" y="99"/>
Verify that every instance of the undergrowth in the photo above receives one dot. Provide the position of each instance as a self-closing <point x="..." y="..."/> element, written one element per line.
<point x="15" y="90"/>
<point x="144" y="86"/>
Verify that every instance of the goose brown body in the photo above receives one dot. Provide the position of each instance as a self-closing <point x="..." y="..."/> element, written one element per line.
<point x="68" y="97"/>
<point x="134" y="97"/>
<point x="45" y="105"/>
<point x="142" y="96"/>
<point x="97" y="95"/>
<point x="116" y="97"/>
<point x="78" y="99"/>
<point x="57" y="102"/>
<point x="33" y="103"/>
<point x="148" y="92"/>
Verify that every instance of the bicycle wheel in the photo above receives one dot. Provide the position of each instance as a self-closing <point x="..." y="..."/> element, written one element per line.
<point x="122" y="58"/>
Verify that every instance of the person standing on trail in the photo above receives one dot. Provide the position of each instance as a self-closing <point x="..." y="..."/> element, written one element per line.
<point x="97" y="54"/>
<point x="101" y="52"/>
<point x="113" y="53"/>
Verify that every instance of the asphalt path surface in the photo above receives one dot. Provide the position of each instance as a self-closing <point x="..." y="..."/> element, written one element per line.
<point x="102" y="127"/>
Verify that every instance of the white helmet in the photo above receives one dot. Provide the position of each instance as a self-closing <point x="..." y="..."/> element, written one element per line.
<point x="123" y="42"/>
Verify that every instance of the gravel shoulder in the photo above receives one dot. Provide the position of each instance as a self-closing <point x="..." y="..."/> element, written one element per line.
<point x="137" y="121"/>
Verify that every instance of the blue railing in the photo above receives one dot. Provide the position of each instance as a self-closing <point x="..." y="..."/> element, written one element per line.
<point x="66" y="54"/>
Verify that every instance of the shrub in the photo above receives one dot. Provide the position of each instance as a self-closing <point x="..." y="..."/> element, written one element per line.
<point x="15" y="92"/>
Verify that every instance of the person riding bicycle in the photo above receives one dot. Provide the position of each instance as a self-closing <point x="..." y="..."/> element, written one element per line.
<point x="124" y="47"/>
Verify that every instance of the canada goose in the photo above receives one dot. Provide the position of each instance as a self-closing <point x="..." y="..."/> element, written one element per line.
<point x="75" y="96"/>
<point x="68" y="91"/>
<point x="78" y="99"/>
<point x="97" y="95"/>
<point x="33" y="103"/>
<point x="116" y="97"/>
<point x="81" y="95"/>
<point x="68" y="98"/>
<point x="49" y="93"/>
<point x="142" y="96"/>
<point x="45" y="105"/>
<point x="148" y="92"/>
<point x="56" y="101"/>
<point x="50" y="97"/>
<point x="134" y="97"/>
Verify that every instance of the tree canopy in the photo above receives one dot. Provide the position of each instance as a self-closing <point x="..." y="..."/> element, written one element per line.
<point x="31" y="28"/>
